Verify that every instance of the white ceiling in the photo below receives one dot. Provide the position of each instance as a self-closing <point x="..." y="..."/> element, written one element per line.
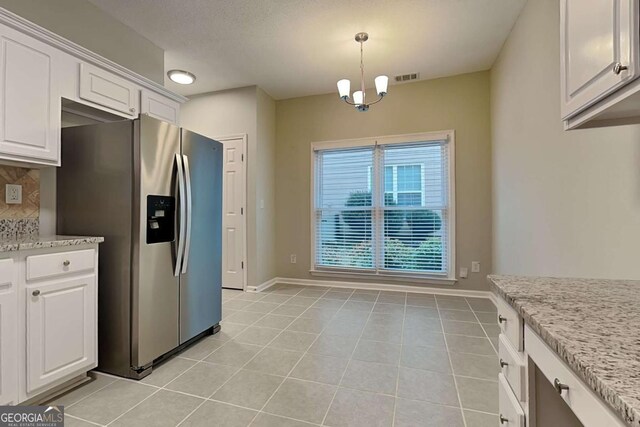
<point x="293" y="48"/>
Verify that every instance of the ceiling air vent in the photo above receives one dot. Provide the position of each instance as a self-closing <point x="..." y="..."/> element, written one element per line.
<point x="407" y="77"/>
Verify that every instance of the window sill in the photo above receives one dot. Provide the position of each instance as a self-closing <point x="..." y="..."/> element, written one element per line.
<point x="412" y="278"/>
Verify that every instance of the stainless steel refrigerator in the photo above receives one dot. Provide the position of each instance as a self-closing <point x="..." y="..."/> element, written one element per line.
<point x="154" y="191"/>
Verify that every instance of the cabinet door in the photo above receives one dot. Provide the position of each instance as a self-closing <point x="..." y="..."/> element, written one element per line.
<point x="159" y="107"/>
<point x="29" y="102"/>
<point x="8" y="335"/>
<point x="108" y="90"/>
<point x="596" y="36"/>
<point x="61" y="329"/>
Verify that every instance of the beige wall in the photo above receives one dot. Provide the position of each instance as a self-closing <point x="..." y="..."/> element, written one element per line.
<point x="247" y="111"/>
<point x="460" y="103"/>
<point x="564" y="203"/>
<point x="87" y="25"/>
<point x="266" y="188"/>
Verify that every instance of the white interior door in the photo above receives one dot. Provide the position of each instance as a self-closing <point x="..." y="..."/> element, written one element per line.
<point x="234" y="213"/>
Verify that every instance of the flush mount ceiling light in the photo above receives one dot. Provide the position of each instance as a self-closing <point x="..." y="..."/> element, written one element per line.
<point x="359" y="97"/>
<point x="181" y="77"/>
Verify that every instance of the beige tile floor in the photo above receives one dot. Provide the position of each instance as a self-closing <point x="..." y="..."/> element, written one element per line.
<point x="304" y="356"/>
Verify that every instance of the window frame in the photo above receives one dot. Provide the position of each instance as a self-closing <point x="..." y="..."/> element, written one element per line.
<point x="448" y="277"/>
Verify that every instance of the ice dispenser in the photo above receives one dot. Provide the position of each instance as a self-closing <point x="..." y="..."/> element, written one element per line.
<point x="160" y="219"/>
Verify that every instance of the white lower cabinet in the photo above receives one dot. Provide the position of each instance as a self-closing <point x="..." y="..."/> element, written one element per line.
<point x="61" y="326"/>
<point x="520" y="351"/>
<point x="48" y="327"/>
<point x="511" y="413"/>
<point x="8" y="334"/>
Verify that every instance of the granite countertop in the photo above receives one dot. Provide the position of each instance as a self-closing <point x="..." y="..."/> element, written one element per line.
<point x="593" y="325"/>
<point x="41" y="242"/>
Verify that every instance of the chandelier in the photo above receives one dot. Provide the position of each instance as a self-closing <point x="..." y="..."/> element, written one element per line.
<point x="359" y="96"/>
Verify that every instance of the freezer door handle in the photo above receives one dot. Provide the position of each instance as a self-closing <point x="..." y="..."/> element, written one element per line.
<point x="183" y="215"/>
<point x="187" y="246"/>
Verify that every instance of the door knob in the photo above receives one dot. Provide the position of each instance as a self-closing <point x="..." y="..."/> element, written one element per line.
<point x="618" y="68"/>
<point x="35" y="293"/>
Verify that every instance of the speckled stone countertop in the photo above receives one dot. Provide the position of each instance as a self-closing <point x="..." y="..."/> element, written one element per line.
<point x="593" y="325"/>
<point x="41" y="242"/>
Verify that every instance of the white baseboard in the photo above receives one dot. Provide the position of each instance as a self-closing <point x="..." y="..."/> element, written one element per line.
<point x="374" y="286"/>
<point x="262" y="286"/>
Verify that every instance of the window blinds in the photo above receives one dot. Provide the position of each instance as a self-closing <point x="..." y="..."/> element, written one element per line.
<point x="383" y="208"/>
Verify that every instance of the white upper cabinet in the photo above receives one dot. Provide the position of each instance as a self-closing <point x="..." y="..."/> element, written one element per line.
<point x="599" y="62"/>
<point x="8" y="334"/>
<point x="159" y="107"/>
<point x="29" y="102"/>
<point x="599" y="49"/>
<point x="38" y="68"/>
<point x="108" y="90"/>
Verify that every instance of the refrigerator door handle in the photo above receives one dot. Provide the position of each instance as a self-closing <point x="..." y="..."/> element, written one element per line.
<point x="183" y="215"/>
<point x="187" y="247"/>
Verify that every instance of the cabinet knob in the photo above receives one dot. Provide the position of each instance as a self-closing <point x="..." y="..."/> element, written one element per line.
<point x="66" y="263"/>
<point x="559" y="386"/>
<point x="35" y="293"/>
<point x="501" y="319"/>
<point x="618" y="68"/>
<point x="133" y="110"/>
<point x="503" y="420"/>
<point x="503" y="363"/>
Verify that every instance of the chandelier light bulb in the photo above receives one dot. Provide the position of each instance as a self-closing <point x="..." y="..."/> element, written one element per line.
<point x="344" y="87"/>
<point x="358" y="98"/>
<point x="381" y="85"/>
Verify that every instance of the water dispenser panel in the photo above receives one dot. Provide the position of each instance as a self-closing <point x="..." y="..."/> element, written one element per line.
<point x="161" y="211"/>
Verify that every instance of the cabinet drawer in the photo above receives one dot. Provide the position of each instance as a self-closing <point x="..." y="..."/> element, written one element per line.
<point x="103" y="88"/>
<point x="589" y="408"/>
<point x="511" y="324"/>
<point x="512" y="366"/>
<point x="511" y="413"/>
<point x="51" y="265"/>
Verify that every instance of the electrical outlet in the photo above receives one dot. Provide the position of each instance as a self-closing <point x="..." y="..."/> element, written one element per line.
<point x="293" y="258"/>
<point x="475" y="267"/>
<point x="13" y="194"/>
<point x="464" y="272"/>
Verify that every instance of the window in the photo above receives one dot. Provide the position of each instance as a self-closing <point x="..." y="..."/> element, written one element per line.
<point x="384" y="206"/>
<point x="403" y="183"/>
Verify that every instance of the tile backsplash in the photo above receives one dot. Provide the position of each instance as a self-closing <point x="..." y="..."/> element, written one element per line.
<point x="18" y="221"/>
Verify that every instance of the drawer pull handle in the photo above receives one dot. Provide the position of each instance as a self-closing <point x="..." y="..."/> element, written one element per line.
<point x="35" y="293"/>
<point x="559" y="386"/>
<point x="618" y="68"/>
<point x="503" y="363"/>
<point x="501" y="319"/>
<point x="66" y="263"/>
<point x="503" y="420"/>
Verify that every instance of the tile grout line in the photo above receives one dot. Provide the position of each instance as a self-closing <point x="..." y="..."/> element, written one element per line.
<point x="483" y="329"/>
<point x="455" y="382"/>
<point x="239" y="369"/>
<point x="395" y="401"/>
<point x="324" y="419"/>
<point x="90" y="394"/>
<point x="255" y="323"/>
<point x="304" y="354"/>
